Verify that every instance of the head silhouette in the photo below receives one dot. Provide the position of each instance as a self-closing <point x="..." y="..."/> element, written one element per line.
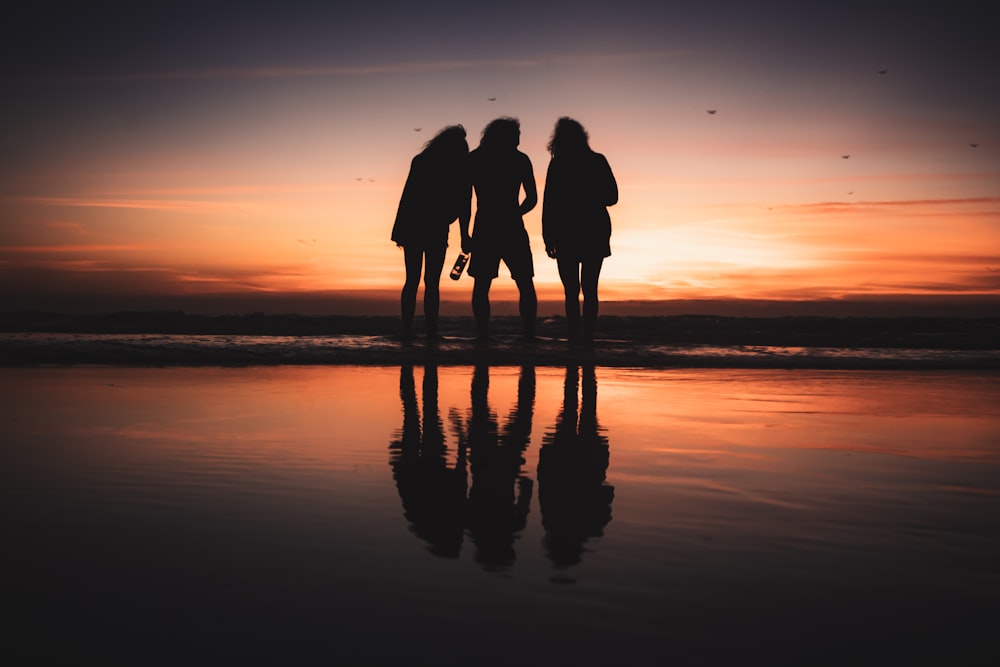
<point x="449" y="142"/>
<point x="568" y="137"/>
<point x="501" y="133"/>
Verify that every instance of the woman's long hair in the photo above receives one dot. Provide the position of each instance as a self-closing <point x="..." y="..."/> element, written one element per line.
<point x="501" y="133"/>
<point x="447" y="144"/>
<point x="568" y="137"/>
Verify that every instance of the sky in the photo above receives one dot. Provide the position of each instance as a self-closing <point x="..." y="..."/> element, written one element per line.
<point x="250" y="156"/>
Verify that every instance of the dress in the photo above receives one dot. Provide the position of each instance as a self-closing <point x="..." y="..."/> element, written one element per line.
<point x="575" y="220"/>
<point x="432" y="198"/>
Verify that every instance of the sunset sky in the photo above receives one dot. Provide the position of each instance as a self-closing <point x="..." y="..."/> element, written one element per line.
<point x="155" y="157"/>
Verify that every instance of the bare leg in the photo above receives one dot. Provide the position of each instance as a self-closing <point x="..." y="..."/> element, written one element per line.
<point x="590" y="274"/>
<point x="414" y="259"/>
<point x="570" y="276"/>
<point x="433" y="264"/>
<point x="528" y="306"/>
<point x="481" y="306"/>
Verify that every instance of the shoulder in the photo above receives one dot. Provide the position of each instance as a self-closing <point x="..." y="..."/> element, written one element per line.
<point x="418" y="163"/>
<point x="601" y="163"/>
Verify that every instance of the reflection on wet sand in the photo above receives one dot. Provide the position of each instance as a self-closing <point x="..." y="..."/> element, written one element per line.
<point x="574" y="497"/>
<point x="437" y="500"/>
<point x="500" y="495"/>
<point x="443" y="504"/>
<point x="432" y="492"/>
<point x="256" y="515"/>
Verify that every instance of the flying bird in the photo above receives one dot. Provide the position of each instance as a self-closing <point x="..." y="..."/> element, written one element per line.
<point x="974" y="145"/>
<point x="882" y="71"/>
<point x="492" y="99"/>
<point x="851" y="192"/>
<point x="417" y="129"/>
<point x="845" y="156"/>
<point x="711" y="112"/>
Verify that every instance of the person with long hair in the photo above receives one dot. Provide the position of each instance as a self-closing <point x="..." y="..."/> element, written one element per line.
<point x="499" y="171"/>
<point x="576" y="226"/>
<point x="437" y="192"/>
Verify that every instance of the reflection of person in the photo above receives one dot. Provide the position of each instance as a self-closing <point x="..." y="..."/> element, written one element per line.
<point x="433" y="495"/>
<point x="576" y="227"/>
<point x="500" y="494"/>
<point x="437" y="192"/>
<point x="574" y="498"/>
<point x="498" y="172"/>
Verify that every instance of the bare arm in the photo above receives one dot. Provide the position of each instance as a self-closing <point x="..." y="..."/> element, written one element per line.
<point x="611" y="194"/>
<point x="465" y="212"/>
<point x="463" y="228"/>
<point x="530" y="189"/>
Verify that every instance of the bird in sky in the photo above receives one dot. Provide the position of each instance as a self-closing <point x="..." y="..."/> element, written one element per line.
<point x="882" y="71"/>
<point x="845" y="156"/>
<point x="417" y="129"/>
<point x="711" y="112"/>
<point x="974" y="145"/>
<point x="850" y="192"/>
<point x="492" y="99"/>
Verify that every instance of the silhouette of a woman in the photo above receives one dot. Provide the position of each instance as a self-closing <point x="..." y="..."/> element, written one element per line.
<point x="437" y="191"/>
<point x="576" y="226"/>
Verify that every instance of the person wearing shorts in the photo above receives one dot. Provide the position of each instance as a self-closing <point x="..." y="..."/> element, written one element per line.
<point x="499" y="172"/>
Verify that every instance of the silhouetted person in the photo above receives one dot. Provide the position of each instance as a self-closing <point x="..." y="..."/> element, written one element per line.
<point x="574" y="499"/>
<point x="437" y="192"/>
<point x="432" y="493"/>
<point x="500" y="495"/>
<point x="576" y="226"/>
<point x="498" y="172"/>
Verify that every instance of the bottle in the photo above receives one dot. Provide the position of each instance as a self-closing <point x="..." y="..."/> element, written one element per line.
<point x="460" y="262"/>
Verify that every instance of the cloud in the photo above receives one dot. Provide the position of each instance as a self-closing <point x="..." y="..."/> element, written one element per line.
<point x="73" y="227"/>
<point x="58" y="269"/>
<point x="72" y="248"/>
<point x="145" y="204"/>
<point x="327" y="71"/>
<point x="912" y="207"/>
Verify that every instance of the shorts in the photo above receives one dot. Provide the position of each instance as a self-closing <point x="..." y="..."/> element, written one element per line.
<point x="513" y="249"/>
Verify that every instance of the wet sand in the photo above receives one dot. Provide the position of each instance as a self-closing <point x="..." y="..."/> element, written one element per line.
<point x="860" y="332"/>
<point x="501" y="515"/>
<point x="163" y="339"/>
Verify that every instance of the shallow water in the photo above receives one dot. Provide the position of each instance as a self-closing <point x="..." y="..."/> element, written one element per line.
<point x="387" y="515"/>
<point x="39" y="349"/>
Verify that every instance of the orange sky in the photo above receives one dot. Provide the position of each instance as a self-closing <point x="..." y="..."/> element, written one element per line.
<point x="228" y="169"/>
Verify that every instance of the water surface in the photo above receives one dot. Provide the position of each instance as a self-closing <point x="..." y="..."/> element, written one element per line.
<point x="482" y="515"/>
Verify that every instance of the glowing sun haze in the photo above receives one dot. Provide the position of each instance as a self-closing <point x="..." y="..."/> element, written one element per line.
<point x="192" y="151"/>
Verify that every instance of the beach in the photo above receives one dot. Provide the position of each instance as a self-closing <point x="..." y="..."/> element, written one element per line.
<point x="174" y="338"/>
<point x="367" y="513"/>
